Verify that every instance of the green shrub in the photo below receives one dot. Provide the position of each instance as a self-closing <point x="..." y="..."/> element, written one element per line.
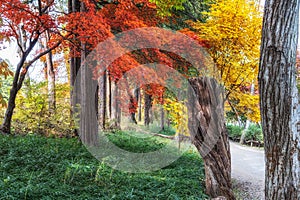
<point x="234" y="132"/>
<point x="254" y="132"/>
<point x="32" y="113"/>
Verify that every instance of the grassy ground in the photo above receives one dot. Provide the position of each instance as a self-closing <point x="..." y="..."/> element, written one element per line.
<point x="34" y="167"/>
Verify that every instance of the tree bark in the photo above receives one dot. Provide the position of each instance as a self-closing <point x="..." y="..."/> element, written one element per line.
<point x="75" y="62"/>
<point x="140" y="105"/>
<point x="279" y="102"/>
<point x="88" y="99"/>
<point x="102" y="100"/>
<point x="109" y="96"/>
<point x="209" y="135"/>
<point x="116" y="111"/>
<point x="148" y="105"/>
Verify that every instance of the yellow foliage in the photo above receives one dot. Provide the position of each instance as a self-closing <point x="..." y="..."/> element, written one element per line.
<point x="233" y="32"/>
<point x="178" y="114"/>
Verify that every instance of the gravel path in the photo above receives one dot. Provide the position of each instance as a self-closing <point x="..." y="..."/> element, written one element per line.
<point x="248" y="171"/>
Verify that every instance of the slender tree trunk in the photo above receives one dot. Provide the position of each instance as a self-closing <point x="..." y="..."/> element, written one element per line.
<point x="279" y="102"/>
<point x="116" y="112"/>
<point x="50" y="78"/>
<point x="75" y="62"/>
<point x="148" y="105"/>
<point x="102" y="100"/>
<point x="209" y="135"/>
<point x="6" y="125"/>
<point x="134" y="102"/>
<point x="132" y="108"/>
<point x="242" y="140"/>
<point x="140" y="106"/>
<point x="19" y="78"/>
<point x="109" y="96"/>
<point x="162" y="118"/>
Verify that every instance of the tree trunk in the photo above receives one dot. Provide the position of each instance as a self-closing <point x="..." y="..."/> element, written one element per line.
<point x="242" y="139"/>
<point x="148" y="105"/>
<point x="116" y="112"/>
<point x="50" y="78"/>
<point x="19" y="77"/>
<point x="279" y="102"/>
<point x="209" y="135"/>
<point x="88" y="99"/>
<point x="162" y="118"/>
<point x="6" y="125"/>
<point x="88" y="105"/>
<point x="140" y="105"/>
<point x="75" y="62"/>
<point x="102" y="100"/>
<point x="109" y="96"/>
<point x="134" y="102"/>
<point x="132" y="109"/>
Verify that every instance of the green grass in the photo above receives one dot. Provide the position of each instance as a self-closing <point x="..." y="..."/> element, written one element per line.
<point x="34" y="167"/>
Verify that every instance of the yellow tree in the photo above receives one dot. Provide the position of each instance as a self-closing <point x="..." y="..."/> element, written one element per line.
<point x="233" y="33"/>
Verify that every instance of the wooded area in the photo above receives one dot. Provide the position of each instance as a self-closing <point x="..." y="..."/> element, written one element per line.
<point x="186" y="72"/>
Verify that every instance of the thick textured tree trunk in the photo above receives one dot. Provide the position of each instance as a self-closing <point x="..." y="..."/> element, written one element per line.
<point x="148" y="105"/>
<point x="279" y="102"/>
<point x="88" y="105"/>
<point x="102" y="100"/>
<point x="209" y="135"/>
<point x="88" y="99"/>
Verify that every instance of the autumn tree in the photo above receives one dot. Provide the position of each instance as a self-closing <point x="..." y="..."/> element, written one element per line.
<point x="279" y="101"/>
<point x="34" y="20"/>
<point x="232" y="31"/>
<point x="206" y="120"/>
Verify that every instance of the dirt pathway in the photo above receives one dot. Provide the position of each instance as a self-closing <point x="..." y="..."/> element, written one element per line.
<point x="248" y="171"/>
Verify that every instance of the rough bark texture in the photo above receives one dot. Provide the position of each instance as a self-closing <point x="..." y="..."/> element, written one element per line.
<point x="279" y="99"/>
<point x="209" y="135"/>
<point x="88" y="111"/>
<point x="102" y="100"/>
<point x="88" y="101"/>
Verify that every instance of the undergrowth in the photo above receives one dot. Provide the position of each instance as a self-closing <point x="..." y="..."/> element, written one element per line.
<point x="35" y="167"/>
